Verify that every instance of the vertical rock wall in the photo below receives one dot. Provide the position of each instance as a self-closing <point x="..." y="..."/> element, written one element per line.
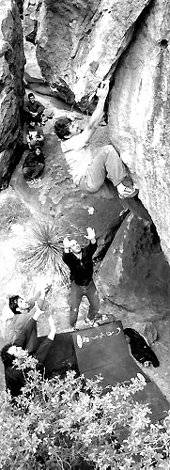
<point x="139" y="118"/>
<point x="134" y="274"/>
<point x="11" y="87"/>
<point x="78" y="43"/>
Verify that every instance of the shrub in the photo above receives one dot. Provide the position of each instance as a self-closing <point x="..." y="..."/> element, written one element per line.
<point x="68" y="423"/>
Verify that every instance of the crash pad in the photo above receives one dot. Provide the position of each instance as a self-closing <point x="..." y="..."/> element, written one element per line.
<point x="104" y="351"/>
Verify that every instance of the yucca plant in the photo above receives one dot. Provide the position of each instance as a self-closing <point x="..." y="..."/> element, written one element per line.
<point x="43" y="251"/>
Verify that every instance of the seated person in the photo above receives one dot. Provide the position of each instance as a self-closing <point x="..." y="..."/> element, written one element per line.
<point x="14" y="377"/>
<point x="34" y="163"/>
<point x="90" y="166"/>
<point x="21" y="312"/>
<point x="33" y="109"/>
<point x="34" y="135"/>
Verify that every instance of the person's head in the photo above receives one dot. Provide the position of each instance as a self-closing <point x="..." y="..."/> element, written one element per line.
<point x="75" y="247"/>
<point x="37" y="150"/>
<point x="31" y="97"/>
<point x="65" y="127"/>
<point x="17" y="304"/>
<point x="10" y="352"/>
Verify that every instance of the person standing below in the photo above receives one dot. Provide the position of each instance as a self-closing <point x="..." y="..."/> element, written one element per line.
<point x="79" y="260"/>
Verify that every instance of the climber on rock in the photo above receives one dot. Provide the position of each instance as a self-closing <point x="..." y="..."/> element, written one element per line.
<point x="33" y="109"/>
<point x="89" y="166"/>
<point x="79" y="261"/>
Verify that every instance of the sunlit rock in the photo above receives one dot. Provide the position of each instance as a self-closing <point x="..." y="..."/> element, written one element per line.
<point x="134" y="275"/>
<point x="139" y="117"/>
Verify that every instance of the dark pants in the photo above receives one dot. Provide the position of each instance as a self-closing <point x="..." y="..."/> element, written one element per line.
<point x="77" y="293"/>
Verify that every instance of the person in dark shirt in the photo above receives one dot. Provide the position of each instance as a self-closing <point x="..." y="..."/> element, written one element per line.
<point x="79" y="260"/>
<point x="14" y="377"/>
<point x="33" y="109"/>
<point x="34" y="163"/>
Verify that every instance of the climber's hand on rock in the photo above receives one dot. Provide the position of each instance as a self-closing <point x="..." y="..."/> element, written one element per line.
<point x="103" y="90"/>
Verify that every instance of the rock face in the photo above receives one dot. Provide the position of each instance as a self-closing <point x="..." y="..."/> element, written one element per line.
<point x="80" y="42"/>
<point x="134" y="275"/>
<point x="11" y="88"/>
<point x="139" y="117"/>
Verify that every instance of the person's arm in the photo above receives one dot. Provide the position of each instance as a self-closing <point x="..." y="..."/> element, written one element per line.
<point x="44" y="347"/>
<point x="80" y="140"/>
<point x="39" y="107"/>
<point x="97" y="115"/>
<point x="91" y="236"/>
<point x="66" y="253"/>
<point x="32" y="301"/>
<point x="40" y="301"/>
<point x="40" y="294"/>
<point x="66" y="245"/>
<point x="39" y="139"/>
<point x="29" y="138"/>
<point x="40" y="134"/>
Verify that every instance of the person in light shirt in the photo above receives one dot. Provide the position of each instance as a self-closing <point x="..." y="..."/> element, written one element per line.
<point x="90" y="165"/>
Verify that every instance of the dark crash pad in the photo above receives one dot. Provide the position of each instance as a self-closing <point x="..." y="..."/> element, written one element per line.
<point x="104" y="350"/>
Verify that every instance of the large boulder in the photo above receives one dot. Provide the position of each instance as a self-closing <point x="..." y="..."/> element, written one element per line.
<point x="78" y="43"/>
<point x="134" y="276"/>
<point x="11" y="88"/>
<point x="139" y="118"/>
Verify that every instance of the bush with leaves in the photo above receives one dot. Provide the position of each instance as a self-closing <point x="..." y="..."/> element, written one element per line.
<point x="66" y="423"/>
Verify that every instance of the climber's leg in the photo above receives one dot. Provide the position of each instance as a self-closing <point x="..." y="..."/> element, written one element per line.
<point x="106" y="163"/>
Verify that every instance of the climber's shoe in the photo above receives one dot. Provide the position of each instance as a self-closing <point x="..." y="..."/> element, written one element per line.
<point x="125" y="192"/>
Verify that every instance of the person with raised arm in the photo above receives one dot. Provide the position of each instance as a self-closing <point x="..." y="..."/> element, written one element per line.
<point x="79" y="260"/>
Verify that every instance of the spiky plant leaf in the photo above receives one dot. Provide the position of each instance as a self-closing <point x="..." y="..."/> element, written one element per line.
<point x="44" y="250"/>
